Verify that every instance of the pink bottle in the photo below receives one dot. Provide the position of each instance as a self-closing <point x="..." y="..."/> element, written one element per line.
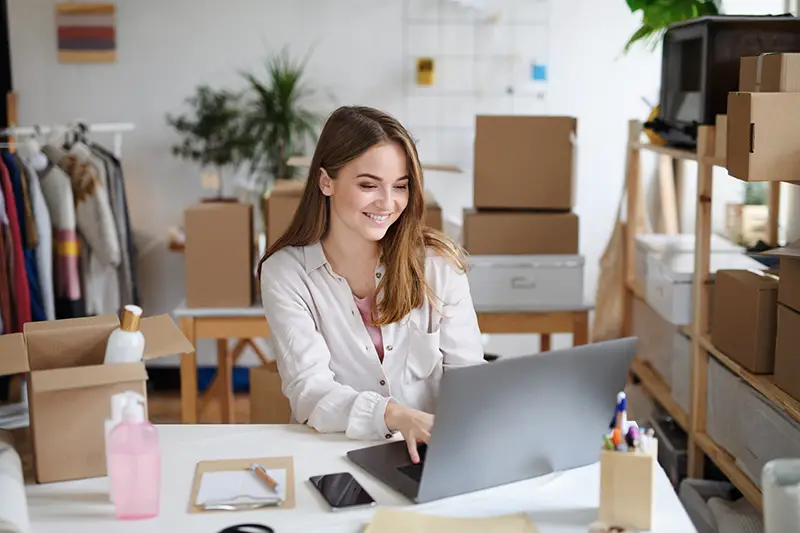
<point x="134" y="464"/>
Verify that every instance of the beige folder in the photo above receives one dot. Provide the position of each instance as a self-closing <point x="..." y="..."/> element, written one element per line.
<point x="285" y="463"/>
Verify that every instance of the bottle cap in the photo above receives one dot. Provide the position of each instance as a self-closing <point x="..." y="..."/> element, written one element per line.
<point x="120" y="400"/>
<point x="134" y="409"/>
<point x="130" y="318"/>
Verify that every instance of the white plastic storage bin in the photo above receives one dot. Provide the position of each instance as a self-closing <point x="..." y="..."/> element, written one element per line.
<point x="681" y="369"/>
<point x="765" y="433"/>
<point x="654" y="338"/>
<point x="723" y="402"/>
<point x="526" y="282"/>
<point x="656" y="243"/>
<point x="670" y="276"/>
<point x="694" y="495"/>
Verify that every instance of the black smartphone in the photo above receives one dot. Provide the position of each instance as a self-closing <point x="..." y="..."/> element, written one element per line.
<point x="342" y="491"/>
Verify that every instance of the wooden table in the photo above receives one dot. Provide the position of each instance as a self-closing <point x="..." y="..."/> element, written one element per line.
<point x="246" y="324"/>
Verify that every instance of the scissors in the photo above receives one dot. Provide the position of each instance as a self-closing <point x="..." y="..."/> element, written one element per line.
<point x="248" y="528"/>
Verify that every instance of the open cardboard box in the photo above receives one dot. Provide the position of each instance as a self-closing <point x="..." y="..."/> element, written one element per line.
<point x="70" y="389"/>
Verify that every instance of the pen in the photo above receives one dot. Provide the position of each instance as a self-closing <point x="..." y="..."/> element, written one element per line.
<point x="261" y="472"/>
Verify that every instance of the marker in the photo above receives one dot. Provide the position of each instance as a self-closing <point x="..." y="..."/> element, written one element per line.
<point x="607" y="443"/>
<point x="620" y="406"/>
<point x="622" y="411"/>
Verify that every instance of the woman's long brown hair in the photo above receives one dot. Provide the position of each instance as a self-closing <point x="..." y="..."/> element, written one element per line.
<point x="349" y="132"/>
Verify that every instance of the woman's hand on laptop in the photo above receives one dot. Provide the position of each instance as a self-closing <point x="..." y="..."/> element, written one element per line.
<point x="414" y="425"/>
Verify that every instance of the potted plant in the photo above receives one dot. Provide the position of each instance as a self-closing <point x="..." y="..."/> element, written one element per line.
<point x="211" y="132"/>
<point x="658" y="14"/>
<point x="276" y="121"/>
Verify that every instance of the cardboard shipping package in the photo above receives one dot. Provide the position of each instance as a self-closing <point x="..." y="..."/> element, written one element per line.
<point x="787" y="356"/>
<point x="219" y="254"/>
<point x="776" y="72"/>
<point x="789" y="273"/>
<point x="268" y="405"/>
<point x="520" y="233"/>
<point x="280" y="206"/>
<point x="762" y="143"/>
<point x="525" y="162"/>
<point x="70" y="389"/>
<point x="744" y="318"/>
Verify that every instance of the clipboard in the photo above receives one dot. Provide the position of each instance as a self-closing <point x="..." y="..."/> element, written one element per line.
<point x="286" y="463"/>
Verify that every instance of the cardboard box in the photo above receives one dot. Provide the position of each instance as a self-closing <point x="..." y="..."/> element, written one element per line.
<point x="775" y="72"/>
<point x="762" y="143"/>
<point x="70" y="389"/>
<point x="627" y="488"/>
<point x="789" y="273"/>
<point x="721" y="137"/>
<point x="433" y="216"/>
<point x="787" y="356"/>
<point x="525" y="162"/>
<point x="280" y="207"/>
<point x="219" y="254"/>
<point x="522" y="233"/>
<point x="268" y="405"/>
<point x="744" y="318"/>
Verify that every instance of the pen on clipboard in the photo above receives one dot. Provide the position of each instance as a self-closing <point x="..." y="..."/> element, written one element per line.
<point x="261" y="472"/>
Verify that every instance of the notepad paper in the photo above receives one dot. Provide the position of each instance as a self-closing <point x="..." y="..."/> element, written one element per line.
<point x="239" y="486"/>
<point x="397" y="521"/>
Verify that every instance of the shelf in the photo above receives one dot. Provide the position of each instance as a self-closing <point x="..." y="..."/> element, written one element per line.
<point x="676" y="153"/>
<point x="727" y="464"/>
<point x="763" y="383"/>
<point x="654" y="385"/>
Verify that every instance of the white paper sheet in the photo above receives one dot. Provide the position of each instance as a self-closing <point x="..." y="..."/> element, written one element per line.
<point x="239" y="486"/>
<point x="13" y="504"/>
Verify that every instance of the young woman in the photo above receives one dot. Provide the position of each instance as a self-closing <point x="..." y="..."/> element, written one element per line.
<point x="366" y="305"/>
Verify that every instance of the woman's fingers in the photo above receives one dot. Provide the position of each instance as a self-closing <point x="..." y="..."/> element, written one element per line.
<point x="411" y="442"/>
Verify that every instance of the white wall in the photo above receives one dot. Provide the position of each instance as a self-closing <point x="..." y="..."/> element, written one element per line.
<point x="166" y="48"/>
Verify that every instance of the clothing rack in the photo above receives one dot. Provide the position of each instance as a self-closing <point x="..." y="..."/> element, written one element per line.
<point x="117" y="128"/>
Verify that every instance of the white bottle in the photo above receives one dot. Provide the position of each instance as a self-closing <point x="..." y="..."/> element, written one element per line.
<point x="118" y="403"/>
<point x="126" y="343"/>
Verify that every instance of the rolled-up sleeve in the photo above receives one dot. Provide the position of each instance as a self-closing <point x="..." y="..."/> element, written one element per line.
<point x="303" y="360"/>
<point x="459" y="336"/>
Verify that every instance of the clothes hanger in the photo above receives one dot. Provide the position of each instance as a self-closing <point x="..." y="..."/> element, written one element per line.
<point x="31" y="151"/>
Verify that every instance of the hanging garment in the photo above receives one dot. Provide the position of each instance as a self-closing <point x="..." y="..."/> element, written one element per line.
<point x="100" y="256"/>
<point x="44" y="248"/>
<point x="20" y="286"/>
<point x="25" y="218"/>
<point x="119" y="207"/>
<point x="57" y="191"/>
<point x="6" y="317"/>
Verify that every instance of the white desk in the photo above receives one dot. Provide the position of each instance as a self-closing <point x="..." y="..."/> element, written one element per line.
<point x="563" y="502"/>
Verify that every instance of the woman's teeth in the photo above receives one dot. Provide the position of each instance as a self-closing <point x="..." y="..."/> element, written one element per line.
<point x="377" y="218"/>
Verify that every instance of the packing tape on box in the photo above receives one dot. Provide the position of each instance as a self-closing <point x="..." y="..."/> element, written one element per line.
<point x="759" y="67"/>
<point x="13" y="504"/>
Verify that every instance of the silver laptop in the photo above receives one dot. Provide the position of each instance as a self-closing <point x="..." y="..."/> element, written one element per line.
<point x="510" y="420"/>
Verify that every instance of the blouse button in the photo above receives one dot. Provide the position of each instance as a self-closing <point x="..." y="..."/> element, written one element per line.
<point x="383" y="382"/>
<point x="378" y="275"/>
<point x="388" y="435"/>
<point x="389" y="348"/>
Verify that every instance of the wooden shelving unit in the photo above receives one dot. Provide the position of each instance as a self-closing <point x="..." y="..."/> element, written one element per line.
<point x="701" y="446"/>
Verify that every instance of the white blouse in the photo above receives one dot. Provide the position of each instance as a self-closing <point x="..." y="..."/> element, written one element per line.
<point x="329" y="368"/>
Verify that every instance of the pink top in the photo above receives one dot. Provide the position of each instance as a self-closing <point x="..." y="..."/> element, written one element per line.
<point x="365" y="308"/>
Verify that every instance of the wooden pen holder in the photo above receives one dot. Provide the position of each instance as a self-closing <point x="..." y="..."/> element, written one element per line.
<point x="627" y="487"/>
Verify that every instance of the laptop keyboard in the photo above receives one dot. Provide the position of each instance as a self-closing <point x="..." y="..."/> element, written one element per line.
<point x="414" y="471"/>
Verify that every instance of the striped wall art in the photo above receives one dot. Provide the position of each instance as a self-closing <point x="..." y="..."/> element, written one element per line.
<point x="86" y="33"/>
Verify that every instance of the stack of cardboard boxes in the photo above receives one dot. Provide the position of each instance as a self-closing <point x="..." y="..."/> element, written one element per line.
<point x="755" y="317"/>
<point x="522" y="234"/>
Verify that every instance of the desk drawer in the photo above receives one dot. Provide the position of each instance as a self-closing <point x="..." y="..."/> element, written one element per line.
<point x="526" y="282"/>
